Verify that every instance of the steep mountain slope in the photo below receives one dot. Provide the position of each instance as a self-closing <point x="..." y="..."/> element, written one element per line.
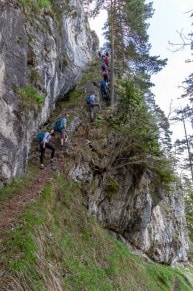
<point x="58" y="246"/>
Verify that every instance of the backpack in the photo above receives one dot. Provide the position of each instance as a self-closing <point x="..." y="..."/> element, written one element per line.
<point x="59" y="124"/>
<point x="90" y="99"/>
<point x="40" y="136"/>
<point x="103" y="84"/>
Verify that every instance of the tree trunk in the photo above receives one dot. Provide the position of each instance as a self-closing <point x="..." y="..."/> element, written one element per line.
<point x="112" y="36"/>
<point x="187" y="144"/>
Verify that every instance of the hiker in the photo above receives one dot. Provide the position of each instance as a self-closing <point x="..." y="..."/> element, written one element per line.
<point x="104" y="90"/>
<point x="105" y="76"/>
<point x="106" y="60"/>
<point x="44" y="138"/>
<point x="60" y="126"/>
<point x="103" y="67"/>
<point x="92" y="105"/>
<point x="102" y="55"/>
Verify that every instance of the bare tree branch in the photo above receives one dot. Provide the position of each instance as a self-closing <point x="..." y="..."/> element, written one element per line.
<point x="182" y="44"/>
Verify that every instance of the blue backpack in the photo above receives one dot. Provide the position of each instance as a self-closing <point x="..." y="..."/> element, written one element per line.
<point x="40" y="136"/>
<point x="90" y="99"/>
<point x="59" y="124"/>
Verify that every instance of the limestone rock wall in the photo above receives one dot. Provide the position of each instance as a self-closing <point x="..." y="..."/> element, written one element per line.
<point x="47" y="49"/>
<point x="138" y="211"/>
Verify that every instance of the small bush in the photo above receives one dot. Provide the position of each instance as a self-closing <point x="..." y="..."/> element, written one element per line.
<point x="31" y="99"/>
<point x="38" y="5"/>
<point x="43" y="3"/>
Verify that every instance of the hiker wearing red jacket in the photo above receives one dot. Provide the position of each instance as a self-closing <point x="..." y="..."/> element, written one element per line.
<point x="106" y="60"/>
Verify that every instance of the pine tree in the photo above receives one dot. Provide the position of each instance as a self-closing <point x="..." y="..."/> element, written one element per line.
<point x="183" y="115"/>
<point x="127" y="32"/>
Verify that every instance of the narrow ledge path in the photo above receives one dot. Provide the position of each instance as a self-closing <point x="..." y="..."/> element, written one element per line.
<point x="11" y="210"/>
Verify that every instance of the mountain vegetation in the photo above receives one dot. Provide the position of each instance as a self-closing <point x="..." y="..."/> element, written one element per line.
<point x="112" y="207"/>
<point x="58" y="246"/>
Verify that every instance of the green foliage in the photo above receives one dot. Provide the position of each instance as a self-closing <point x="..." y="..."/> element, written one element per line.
<point x="138" y="135"/>
<point x="18" y="184"/>
<point x="43" y="3"/>
<point x="74" y="96"/>
<point x="134" y="121"/>
<point x="39" y="4"/>
<point x="31" y="99"/>
<point x="154" y="277"/>
<point x="112" y="187"/>
<point x="23" y="247"/>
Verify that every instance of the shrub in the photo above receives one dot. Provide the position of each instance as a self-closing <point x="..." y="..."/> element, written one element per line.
<point x="31" y="99"/>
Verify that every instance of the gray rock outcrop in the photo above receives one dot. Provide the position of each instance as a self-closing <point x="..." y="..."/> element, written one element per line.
<point x="132" y="205"/>
<point x="45" y="50"/>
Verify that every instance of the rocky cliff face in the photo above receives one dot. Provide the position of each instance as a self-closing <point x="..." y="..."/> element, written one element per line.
<point x="41" y="49"/>
<point x="149" y="219"/>
<point x="146" y="218"/>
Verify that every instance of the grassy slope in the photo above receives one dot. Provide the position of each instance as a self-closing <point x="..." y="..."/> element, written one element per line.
<point x="57" y="246"/>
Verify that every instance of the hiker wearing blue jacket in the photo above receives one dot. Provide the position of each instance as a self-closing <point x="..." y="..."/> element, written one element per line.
<point x="104" y="90"/>
<point x="45" y="143"/>
<point x="61" y="126"/>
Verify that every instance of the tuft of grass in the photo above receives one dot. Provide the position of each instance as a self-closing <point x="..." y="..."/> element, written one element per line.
<point x="31" y="99"/>
<point x="43" y="4"/>
<point x="36" y="4"/>
<point x="74" y="96"/>
<point x="18" y="185"/>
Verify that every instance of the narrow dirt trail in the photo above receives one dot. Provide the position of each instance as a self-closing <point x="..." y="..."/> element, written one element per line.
<point x="11" y="210"/>
<point x="175" y="286"/>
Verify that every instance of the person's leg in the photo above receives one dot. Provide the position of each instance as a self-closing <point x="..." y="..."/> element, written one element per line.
<point x="66" y="137"/>
<point x="42" y="152"/>
<point x="50" y="147"/>
<point x="91" y="112"/>
<point x="102" y="93"/>
<point x="97" y="105"/>
<point x="62" y="132"/>
<point x="106" y="78"/>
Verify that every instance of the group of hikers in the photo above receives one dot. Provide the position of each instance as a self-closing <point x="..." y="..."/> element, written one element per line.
<point x="104" y="85"/>
<point x="44" y="138"/>
<point x="60" y="125"/>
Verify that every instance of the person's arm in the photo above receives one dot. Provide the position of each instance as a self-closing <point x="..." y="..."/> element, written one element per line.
<point x="46" y="139"/>
<point x="65" y="123"/>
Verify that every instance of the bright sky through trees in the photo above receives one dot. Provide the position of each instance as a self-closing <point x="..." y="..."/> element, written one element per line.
<point x="170" y="17"/>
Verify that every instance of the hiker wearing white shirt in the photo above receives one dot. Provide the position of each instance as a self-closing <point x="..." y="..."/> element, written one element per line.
<point x="45" y="143"/>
